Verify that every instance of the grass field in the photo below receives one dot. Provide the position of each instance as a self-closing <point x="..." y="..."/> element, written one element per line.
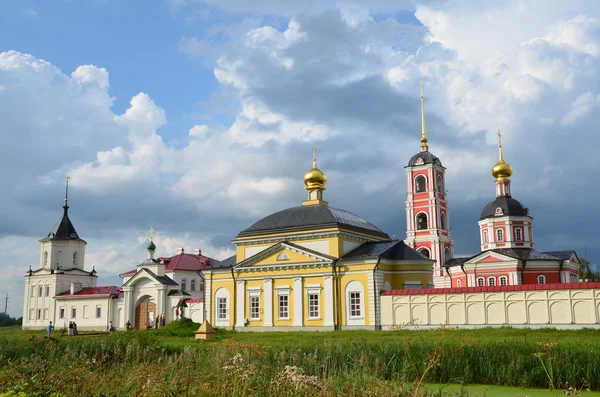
<point x="169" y="362"/>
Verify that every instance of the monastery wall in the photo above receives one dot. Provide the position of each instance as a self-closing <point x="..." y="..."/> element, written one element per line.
<point x="568" y="305"/>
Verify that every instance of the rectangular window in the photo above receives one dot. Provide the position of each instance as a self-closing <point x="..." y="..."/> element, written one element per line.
<point x="47" y="290"/>
<point x="62" y="313"/>
<point x="255" y="307"/>
<point x="355" y="309"/>
<point x="284" y="307"/>
<point x="32" y="291"/>
<point x="222" y="308"/>
<point x="40" y="290"/>
<point x="518" y="235"/>
<point x="45" y="314"/>
<point x="73" y="312"/>
<point x="98" y="311"/>
<point x="39" y="314"/>
<point x="492" y="281"/>
<point x="503" y="281"/>
<point x="480" y="282"/>
<point x="313" y="305"/>
<point x="541" y="279"/>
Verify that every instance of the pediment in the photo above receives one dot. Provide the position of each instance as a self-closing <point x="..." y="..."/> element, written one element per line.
<point x="285" y="254"/>
<point x="490" y="257"/>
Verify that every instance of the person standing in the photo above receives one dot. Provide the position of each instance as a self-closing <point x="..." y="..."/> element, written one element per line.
<point x="74" y="328"/>
<point x="70" y="328"/>
<point x="49" y="328"/>
<point x="110" y="327"/>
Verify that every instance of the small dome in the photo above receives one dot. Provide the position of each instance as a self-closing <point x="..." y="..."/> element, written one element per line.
<point x="315" y="178"/>
<point x="504" y="206"/>
<point x="151" y="246"/>
<point x="422" y="158"/>
<point x="502" y="171"/>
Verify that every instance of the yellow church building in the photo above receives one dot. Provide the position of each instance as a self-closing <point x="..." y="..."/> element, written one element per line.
<point x="311" y="267"/>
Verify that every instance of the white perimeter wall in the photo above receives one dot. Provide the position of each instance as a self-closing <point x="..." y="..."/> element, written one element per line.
<point x="575" y="308"/>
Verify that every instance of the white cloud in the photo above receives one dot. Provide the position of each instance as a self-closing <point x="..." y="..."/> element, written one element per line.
<point x="581" y="107"/>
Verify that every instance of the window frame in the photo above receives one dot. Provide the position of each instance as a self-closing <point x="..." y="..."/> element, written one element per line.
<point x="500" y="234"/>
<point x="73" y="312"/>
<point x="485" y="237"/>
<point x="61" y="313"/>
<point x="481" y="281"/>
<point x="518" y="234"/>
<point x="222" y="308"/>
<point x="75" y="258"/>
<point x="39" y="314"/>
<point x="424" y="249"/>
<point x="491" y="281"/>
<point x="283" y="297"/>
<point x="193" y="284"/>
<point x="418" y="224"/>
<point x="355" y="304"/>
<point x="541" y="277"/>
<point x="416" y="184"/>
<point x="47" y="290"/>
<point x="183" y="284"/>
<point x="98" y="311"/>
<point x="40" y="291"/>
<point x="254" y="307"/>
<point x="313" y="306"/>
<point x="459" y="283"/>
<point x="503" y="281"/>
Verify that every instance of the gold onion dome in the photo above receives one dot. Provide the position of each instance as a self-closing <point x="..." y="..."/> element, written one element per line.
<point x="315" y="178"/>
<point x="502" y="170"/>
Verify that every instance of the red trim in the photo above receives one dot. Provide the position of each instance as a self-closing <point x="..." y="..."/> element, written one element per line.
<point x="194" y="300"/>
<point x="526" y="287"/>
<point x="91" y="291"/>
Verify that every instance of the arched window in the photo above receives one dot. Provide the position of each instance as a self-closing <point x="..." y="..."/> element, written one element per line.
<point x="443" y="221"/>
<point x="420" y="184"/>
<point x="422" y="221"/>
<point x="74" y="258"/>
<point x="424" y="252"/>
<point x="492" y="281"/>
<point x="518" y="234"/>
<point x="46" y="258"/>
<point x="485" y="237"/>
<point x="440" y="184"/>
<point x="500" y="234"/>
<point x="503" y="281"/>
<point x="193" y="285"/>
<point x="480" y="282"/>
<point x="459" y="283"/>
<point x="541" y="279"/>
<point x="446" y="254"/>
<point x="283" y="257"/>
<point x="201" y="285"/>
<point x="183" y="284"/>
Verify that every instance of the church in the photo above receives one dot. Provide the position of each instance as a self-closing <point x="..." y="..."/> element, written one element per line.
<point x="309" y="267"/>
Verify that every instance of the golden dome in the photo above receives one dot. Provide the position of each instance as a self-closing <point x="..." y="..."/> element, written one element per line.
<point x="315" y="178"/>
<point x="502" y="171"/>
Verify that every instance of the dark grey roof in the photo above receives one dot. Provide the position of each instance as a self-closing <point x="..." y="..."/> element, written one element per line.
<point x="178" y="292"/>
<point x="509" y="206"/>
<point x="311" y="217"/>
<point x="392" y="250"/>
<point x="526" y="254"/>
<point x="563" y="255"/>
<point x="426" y="156"/>
<point x="64" y="229"/>
<point x="225" y="263"/>
<point x="457" y="261"/>
<point x="151" y="262"/>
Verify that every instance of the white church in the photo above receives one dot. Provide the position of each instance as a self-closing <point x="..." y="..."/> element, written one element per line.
<point x="61" y="290"/>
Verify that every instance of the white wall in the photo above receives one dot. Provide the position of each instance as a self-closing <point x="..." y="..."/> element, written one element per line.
<point x="574" y="307"/>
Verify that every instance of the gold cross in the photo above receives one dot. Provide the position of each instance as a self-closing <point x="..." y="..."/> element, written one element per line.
<point x="499" y="139"/>
<point x="314" y="157"/>
<point x="151" y="232"/>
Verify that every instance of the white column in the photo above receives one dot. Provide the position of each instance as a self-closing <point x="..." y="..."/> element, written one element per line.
<point x="328" y="296"/>
<point x="241" y="303"/>
<point x="268" y="310"/>
<point x="298" y="295"/>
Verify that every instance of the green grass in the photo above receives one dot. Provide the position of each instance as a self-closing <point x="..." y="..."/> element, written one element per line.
<point x="343" y="362"/>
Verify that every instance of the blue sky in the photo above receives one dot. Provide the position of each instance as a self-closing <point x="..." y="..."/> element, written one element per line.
<point x="197" y="117"/>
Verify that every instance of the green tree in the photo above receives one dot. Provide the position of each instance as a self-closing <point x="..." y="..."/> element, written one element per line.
<point x="7" y="321"/>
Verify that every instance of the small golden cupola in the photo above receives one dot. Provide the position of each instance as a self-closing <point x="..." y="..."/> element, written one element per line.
<point x="315" y="181"/>
<point x="502" y="170"/>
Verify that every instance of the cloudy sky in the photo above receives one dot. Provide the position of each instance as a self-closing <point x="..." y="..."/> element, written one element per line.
<point x="197" y="117"/>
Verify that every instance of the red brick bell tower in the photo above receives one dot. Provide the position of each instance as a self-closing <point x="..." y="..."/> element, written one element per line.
<point x="427" y="214"/>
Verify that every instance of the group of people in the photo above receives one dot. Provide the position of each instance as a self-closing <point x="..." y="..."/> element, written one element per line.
<point x="160" y="321"/>
<point x="72" y="328"/>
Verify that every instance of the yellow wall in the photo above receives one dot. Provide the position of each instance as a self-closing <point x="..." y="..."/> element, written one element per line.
<point x="362" y="278"/>
<point x="281" y="282"/>
<point x="294" y="258"/>
<point x="313" y="281"/>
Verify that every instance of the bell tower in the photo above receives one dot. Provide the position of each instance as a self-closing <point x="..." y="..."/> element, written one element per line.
<point x="62" y="249"/>
<point x="427" y="214"/>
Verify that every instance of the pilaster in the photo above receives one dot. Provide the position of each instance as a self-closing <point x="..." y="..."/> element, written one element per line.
<point x="241" y="304"/>
<point x="298" y="302"/>
<point x="268" y="310"/>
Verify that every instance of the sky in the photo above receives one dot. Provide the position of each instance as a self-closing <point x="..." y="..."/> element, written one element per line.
<point x="197" y="118"/>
